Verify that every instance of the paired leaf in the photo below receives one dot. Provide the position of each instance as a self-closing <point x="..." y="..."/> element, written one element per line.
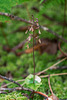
<point x="29" y="82"/>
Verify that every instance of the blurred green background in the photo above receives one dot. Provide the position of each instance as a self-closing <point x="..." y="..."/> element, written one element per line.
<point x="50" y="14"/>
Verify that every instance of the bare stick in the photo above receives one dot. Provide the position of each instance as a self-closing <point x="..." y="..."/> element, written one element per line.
<point x="53" y="95"/>
<point x="15" y="17"/>
<point x="41" y="93"/>
<point x="8" y="79"/>
<point x="53" y="75"/>
<point x="65" y="54"/>
<point x="29" y="22"/>
<point x="54" y="33"/>
<point x="51" y="66"/>
<point x="11" y="83"/>
<point x="26" y="89"/>
<point x="50" y="84"/>
<point x="18" y="88"/>
<point x="1" y="92"/>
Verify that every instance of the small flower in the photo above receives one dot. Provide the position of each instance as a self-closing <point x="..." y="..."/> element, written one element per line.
<point x="39" y="32"/>
<point x="30" y="28"/>
<point x="26" y="32"/>
<point x="27" y="46"/>
<point x="39" y="41"/>
<point x="29" y="38"/>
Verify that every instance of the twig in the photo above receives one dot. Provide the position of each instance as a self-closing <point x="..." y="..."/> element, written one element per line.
<point x="50" y="84"/>
<point x="4" y="89"/>
<point x="41" y="93"/>
<point x="53" y="75"/>
<point x="15" y="17"/>
<point x="53" y="95"/>
<point x="18" y="88"/>
<point x="54" y="33"/>
<point x="1" y="92"/>
<point x="8" y="79"/>
<point x="62" y="67"/>
<point x="65" y="54"/>
<point x="59" y="67"/>
<point x="49" y="18"/>
<point x="26" y="89"/>
<point x="11" y="83"/>
<point x="29" y="22"/>
<point x="51" y="66"/>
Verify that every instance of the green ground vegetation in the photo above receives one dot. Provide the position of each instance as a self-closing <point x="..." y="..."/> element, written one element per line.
<point x="23" y="65"/>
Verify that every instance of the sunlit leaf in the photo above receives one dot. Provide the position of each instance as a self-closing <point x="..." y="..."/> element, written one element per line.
<point x="29" y="82"/>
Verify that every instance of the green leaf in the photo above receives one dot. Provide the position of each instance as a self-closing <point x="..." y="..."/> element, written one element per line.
<point x="41" y="1"/>
<point x="6" y="5"/>
<point x="29" y="82"/>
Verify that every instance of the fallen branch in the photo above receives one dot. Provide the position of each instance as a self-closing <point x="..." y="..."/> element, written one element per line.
<point x="10" y="80"/>
<point x="29" y="22"/>
<point x="18" y="88"/>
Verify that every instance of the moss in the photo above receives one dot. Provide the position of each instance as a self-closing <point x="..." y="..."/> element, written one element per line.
<point x="23" y="65"/>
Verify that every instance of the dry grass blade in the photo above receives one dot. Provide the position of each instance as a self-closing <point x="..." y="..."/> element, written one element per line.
<point x="51" y="66"/>
<point x="53" y="75"/>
